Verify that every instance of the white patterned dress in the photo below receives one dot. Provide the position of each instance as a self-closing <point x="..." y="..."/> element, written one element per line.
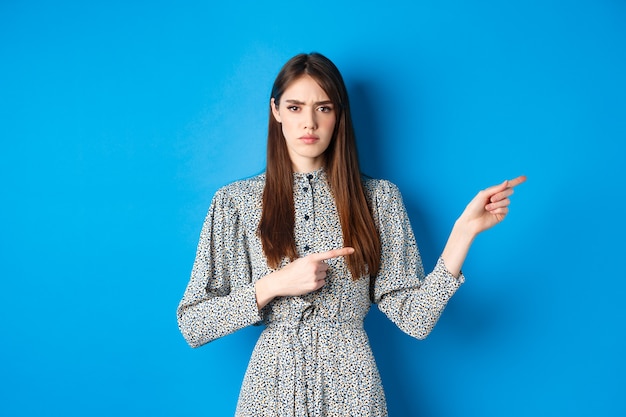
<point x="313" y="358"/>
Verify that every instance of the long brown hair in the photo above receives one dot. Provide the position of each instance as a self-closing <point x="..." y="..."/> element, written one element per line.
<point x="276" y="228"/>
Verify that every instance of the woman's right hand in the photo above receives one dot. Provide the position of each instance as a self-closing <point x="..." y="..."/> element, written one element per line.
<point x="302" y="276"/>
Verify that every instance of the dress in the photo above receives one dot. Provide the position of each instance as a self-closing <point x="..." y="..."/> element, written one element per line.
<point x="313" y="358"/>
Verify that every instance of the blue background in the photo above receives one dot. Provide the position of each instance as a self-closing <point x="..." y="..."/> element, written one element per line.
<point x="119" y="120"/>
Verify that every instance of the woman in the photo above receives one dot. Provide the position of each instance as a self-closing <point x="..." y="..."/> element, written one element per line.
<point x="306" y="247"/>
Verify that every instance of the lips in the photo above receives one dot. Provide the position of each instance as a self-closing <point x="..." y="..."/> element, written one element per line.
<point x="309" y="139"/>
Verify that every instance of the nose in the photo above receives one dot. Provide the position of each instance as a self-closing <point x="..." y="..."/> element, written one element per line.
<point x="310" y="122"/>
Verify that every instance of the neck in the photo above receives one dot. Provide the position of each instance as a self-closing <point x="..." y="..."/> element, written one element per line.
<point x="307" y="166"/>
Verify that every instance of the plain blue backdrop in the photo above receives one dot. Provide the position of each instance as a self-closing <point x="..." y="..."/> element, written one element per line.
<point x="120" y="119"/>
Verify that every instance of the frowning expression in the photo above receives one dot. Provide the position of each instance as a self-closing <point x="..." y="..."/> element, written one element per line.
<point x="307" y="117"/>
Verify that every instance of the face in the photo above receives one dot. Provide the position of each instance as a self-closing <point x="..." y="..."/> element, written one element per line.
<point x="307" y="117"/>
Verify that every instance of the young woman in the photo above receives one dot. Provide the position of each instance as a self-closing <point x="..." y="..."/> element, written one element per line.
<point x="306" y="248"/>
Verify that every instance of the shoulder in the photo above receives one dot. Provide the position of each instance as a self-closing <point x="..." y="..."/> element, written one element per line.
<point x="240" y="195"/>
<point x="244" y="188"/>
<point x="384" y="198"/>
<point x="377" y="189"/>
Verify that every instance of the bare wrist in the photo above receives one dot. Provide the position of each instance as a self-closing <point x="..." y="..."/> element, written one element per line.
<point x="265" y="290"/>
<point x="463" y="230"/>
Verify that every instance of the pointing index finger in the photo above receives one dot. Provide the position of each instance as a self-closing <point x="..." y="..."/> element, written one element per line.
<point x="516" y="181"/>
<point x="335" y="253"/>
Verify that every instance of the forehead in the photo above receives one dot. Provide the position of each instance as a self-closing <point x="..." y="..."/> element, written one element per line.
<point x="305" y="88"/>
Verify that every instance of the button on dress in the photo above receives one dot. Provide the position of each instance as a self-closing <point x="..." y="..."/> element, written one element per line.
<point x="313" y="358"/>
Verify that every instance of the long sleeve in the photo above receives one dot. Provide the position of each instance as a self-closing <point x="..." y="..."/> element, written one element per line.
<point x="220" y="297"/>
<point x="413" y="301"/>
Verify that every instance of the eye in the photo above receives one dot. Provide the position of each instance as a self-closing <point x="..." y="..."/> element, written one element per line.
<point x="293" y="108"/>
<point x="325" y="109"/>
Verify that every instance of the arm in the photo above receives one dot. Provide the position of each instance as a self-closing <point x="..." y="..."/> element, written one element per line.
<point x="219" y="298"/>
<point x="412" y="300"/>
<point x="488" y="208"/>
<point x="299" y="277"/>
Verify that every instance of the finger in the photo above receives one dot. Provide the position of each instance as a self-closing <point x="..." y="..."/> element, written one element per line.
<point x="335" y="253"/>
<point x="506" y="193"/>
<point x="499" y="211"/>
<point x="516" y="181"/>
<point x="494" y="189"/>
<point x="321" y="267"/>
<point x="506" y="185"/>
<point x="498" y="204"/>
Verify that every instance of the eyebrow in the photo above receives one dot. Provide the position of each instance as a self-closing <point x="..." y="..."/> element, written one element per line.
<point x="317" y="103"/>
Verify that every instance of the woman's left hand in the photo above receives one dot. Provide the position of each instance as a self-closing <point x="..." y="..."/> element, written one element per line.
<point x="490" y="206"/>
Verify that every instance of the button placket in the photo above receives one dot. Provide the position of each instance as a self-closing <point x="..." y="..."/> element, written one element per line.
<point x="307" y="215"/>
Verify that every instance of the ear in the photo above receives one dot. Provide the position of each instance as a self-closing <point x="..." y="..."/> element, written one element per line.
<point x="275" y="111"/>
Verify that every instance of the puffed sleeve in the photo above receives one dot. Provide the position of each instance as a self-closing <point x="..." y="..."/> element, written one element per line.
<point x="411" y="300"/>
<point x="220" y="297"/>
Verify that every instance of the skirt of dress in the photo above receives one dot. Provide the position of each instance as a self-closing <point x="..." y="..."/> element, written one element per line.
<point x="312" y="368"/>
